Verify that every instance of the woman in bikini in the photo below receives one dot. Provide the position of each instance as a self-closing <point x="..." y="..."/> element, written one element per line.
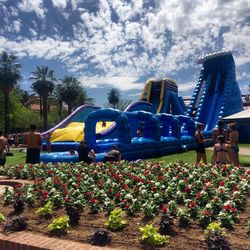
<point x="234" y="147"/>
<point x="221" y="154"/>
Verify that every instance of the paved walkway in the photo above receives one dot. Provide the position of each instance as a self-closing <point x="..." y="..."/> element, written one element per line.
<point x="243" y="150"/>
<point x="32" y="241"/>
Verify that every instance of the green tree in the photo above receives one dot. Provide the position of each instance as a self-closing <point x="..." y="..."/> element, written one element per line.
<point x="44" y="84"/>
<point x="58" y="95"/>
<point x="9" y="76"/>
<point x="73" y="94"/>
<point x="114" y="97"/>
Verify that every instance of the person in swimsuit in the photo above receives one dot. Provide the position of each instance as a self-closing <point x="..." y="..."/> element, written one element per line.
<point x="34" y="141"/>
<point x="4" y="146"/>
<point x="220" y="130"/>
<point x="200" y="148"/>
<point x="112" y="155"/>
<point x="233" y="142"/>
<point x="85" y="154"/>
<point x="221" y="154"/>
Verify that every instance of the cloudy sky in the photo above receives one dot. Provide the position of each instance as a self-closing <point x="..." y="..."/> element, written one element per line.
<point x="123" y="43"/>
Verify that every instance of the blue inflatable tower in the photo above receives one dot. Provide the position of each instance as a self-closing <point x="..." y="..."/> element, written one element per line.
<point x="217" y="93"/>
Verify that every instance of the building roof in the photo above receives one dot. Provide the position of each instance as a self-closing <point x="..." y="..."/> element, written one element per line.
<point x="240" y="117"/>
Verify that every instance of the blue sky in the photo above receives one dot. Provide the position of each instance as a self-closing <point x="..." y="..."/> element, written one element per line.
<point x="123" y="43"/>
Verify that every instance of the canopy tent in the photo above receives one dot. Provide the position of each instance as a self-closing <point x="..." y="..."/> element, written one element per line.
<point x="241" y="117"/>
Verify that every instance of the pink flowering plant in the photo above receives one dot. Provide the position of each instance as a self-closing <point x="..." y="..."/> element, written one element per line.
<point x="136" y="187"/>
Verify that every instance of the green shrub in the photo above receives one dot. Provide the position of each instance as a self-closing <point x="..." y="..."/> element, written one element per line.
<point x="46" y="210"/>
<point x="59" y="225"/>
<point x="115" y="220"/>
<point x="151" y="237"/>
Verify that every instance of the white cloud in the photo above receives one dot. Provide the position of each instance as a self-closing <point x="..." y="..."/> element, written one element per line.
<point x="34" y="5"/>
<point x="122" y="83"/>
<point x="157" y="42"/>
<point x="60" y="3"/>
<point x="17" y="25"/>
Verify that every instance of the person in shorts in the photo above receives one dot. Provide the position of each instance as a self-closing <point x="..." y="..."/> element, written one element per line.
<point x="33" y="141"/>
<point x="200" y="146"/>
<point x="233" y="142"/>
<point x="4" y="146"/>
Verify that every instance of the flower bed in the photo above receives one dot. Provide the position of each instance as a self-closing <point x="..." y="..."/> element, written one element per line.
<point x="191" y="194"/>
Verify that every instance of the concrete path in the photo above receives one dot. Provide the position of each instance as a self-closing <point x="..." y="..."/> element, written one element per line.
<point x="243" y="150"/>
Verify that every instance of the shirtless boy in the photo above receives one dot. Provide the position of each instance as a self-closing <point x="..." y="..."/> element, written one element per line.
<point x="4" y="145"/>
<point x="34" y="141"/>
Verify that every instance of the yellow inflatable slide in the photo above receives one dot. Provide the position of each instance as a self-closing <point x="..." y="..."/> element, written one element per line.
<point x="74" y="131"/>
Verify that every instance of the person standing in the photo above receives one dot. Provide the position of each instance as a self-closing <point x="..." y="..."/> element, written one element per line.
<point x="4" y="146"/>
<point x="233" y="142"/>
<point x="221" y="154"/>
<point x="220" y="130"/>
<point x="200" y="147"/>
<point x="33" y="141"/>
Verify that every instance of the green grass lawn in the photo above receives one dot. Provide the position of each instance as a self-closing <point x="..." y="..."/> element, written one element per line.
<point x="188" y="157"/>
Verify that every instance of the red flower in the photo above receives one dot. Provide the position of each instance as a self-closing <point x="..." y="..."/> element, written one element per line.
<point x="124" y="186"/>
<point x="164" y="209"/>
<point x="222" y="183"/>
<point x="56" y="179"/>
<point x="117" y="195"/>
<point x="18" y="185"/>
<point x="92" y="200"/>
<point x="50" y="172"/>
<point x="44" y="195"/>
<point x="198" y="196"/>
<point x="64" y="186"/>
<point x="154" y="189"/>
<point x="192" y="204"/>
<point x="187" y="189"/>
<point x="227" y="207"/>
<point x="207" y="213"/>
<point x="127" y="206"/>
<point x="234" y="210"/>
<point x="100" y="183"/>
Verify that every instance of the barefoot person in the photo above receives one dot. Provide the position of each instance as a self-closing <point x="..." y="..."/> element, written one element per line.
<point x="4" y="146"/>
<point x="200" y="148"/>
<point x="233" y="141"/>
<point x="221" y="154"/>
<point x="34" y="141"/>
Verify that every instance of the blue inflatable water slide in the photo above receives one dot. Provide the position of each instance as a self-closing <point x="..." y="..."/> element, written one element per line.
<point x="168" y="125"/>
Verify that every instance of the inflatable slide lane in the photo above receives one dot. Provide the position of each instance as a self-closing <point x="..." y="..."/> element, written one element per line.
<point x="217" y="93"/>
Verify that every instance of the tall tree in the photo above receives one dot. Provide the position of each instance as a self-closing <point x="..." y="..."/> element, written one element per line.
<point x="44" y="84"/>
<point x="58" y="94"/>
<point x="73" y="94"/>
<point x="114" y="97"/>
<point x="9" y="76"/>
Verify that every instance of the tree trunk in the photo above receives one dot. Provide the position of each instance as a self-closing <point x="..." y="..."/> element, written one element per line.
<point x="60" y="110"/>
<point x="41" y="107"/>
<point x="69" y="109"/>
<point x="6" y="112"/>
<point x="45" y="114"/>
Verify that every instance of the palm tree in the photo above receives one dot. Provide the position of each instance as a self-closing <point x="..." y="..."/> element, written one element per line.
<point x="114" y="97"/>
<point x="58" y="95"/>
<point x="73" y="94"/>
<point x="9" y="76"/>
<point x="83" y="98"/>
<point x="43" y="85"/>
